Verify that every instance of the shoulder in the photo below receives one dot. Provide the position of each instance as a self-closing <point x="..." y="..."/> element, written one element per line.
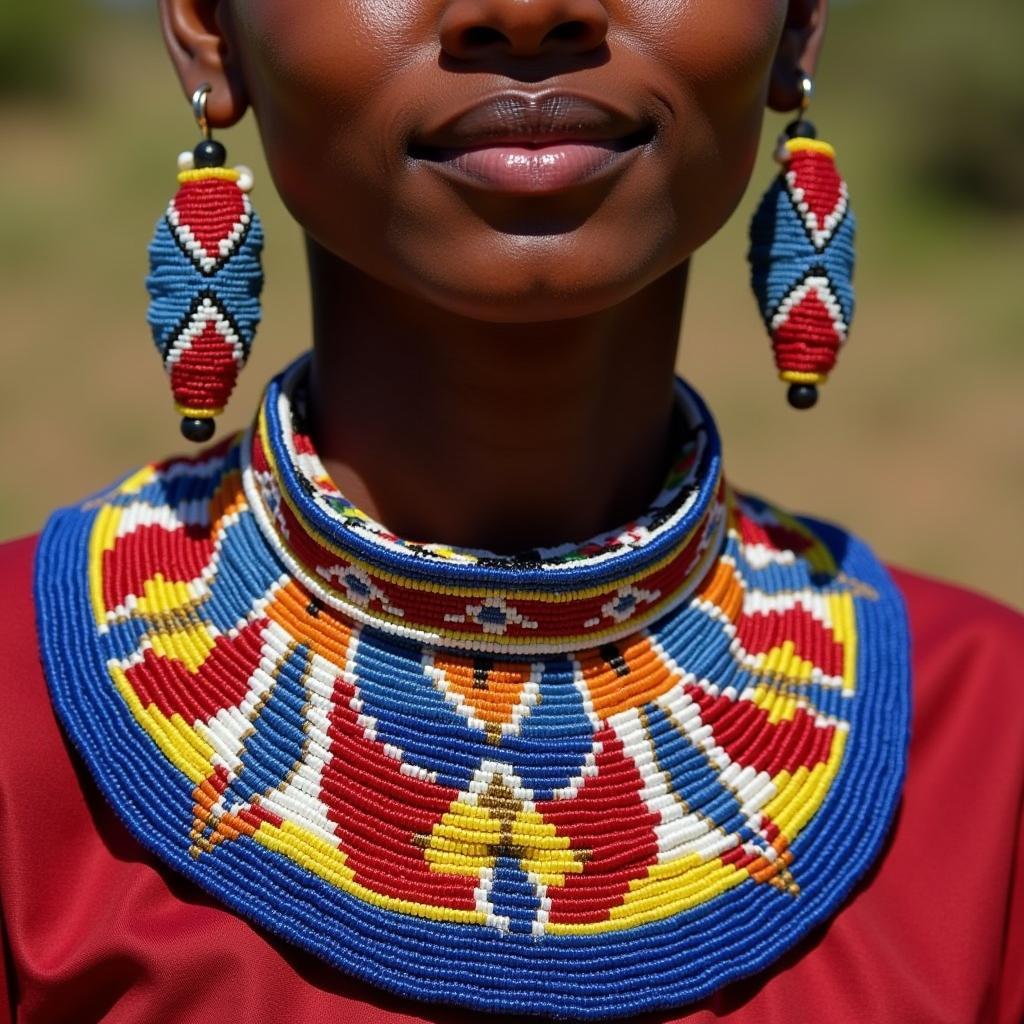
<point x="16" y="561"/>
<point x="950" y="622"/>
<point x="30" y="740"/>
<point x="968" y="684"/>
<point x="967" y="733"/>
<point x="21" y="675"/>
<point x="949" y="604"/>
<point x="16" y="606"/>
<point x="965" y="790"/>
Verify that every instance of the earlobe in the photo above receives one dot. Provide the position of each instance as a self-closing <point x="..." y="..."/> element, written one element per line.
<point x="195" y="33"/>
<point x="798" y="51"/>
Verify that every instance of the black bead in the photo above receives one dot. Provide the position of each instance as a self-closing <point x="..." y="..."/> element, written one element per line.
<point x="802" y="396"/>
<point x="801" y="129"/>
<point x="209" y="153"/>
<point x="196" y="429"/>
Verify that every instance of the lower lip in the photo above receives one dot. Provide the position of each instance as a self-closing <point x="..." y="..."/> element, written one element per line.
<point x="521" y="170"/>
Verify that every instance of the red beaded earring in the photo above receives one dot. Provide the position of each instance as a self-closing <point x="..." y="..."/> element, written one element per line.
<point x="801" y="258"/>
<point x="205" y="280"/>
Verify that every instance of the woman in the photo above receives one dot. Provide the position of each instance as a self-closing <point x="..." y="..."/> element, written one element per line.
<point x="394" y="718"/>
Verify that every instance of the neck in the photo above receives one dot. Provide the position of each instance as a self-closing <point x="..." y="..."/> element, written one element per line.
<point x="497" y="436"/>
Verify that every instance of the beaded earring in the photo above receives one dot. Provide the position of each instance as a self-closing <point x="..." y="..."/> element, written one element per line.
<point x="801" y="258"/>
<point x="205" y="280"/>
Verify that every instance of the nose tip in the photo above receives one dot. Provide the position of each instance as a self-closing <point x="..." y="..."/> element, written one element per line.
<point x="471" y="29"/>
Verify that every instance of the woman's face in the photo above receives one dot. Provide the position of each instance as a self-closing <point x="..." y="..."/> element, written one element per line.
<point x="508" y="160"/>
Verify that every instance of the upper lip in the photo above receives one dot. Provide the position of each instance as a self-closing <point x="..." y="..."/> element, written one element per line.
<point x="530" y="119"/>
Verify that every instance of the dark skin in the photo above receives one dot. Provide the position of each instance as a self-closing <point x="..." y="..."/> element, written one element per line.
<point x="493" y="364"/>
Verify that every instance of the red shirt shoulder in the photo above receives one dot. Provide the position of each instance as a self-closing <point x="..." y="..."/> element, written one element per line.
<point x="16" y="558"/>
<point x="935" y="605"/>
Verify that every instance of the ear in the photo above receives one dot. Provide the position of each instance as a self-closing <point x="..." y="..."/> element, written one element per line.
<point x="798" y="50"/>
<point x="197" y="38"/>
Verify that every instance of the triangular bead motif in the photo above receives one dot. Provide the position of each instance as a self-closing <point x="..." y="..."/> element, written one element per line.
<point x="810" y="313"/>
<point x="209" y="219"/>
<point x="493" y="697"/>
<point x="204" y="357"/>
<point x="819" y="195"/>
<point x="206" y="322"/>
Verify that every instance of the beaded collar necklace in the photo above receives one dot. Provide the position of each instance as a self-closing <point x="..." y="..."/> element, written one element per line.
<point x="585" y="781"/>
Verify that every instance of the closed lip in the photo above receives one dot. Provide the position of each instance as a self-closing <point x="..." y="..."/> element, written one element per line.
<point x="518" y="143"/>
<point x="524" y="119"/>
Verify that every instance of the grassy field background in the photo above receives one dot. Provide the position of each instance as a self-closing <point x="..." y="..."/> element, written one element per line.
<point x="916" y="444"/>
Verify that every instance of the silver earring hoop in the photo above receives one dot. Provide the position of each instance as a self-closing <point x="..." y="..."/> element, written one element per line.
<point x="199" y="98"/>
<point x="806" y="86"/>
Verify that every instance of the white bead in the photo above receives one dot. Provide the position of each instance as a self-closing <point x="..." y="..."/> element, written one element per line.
<point x="186" y="161"/>
<point x="245" y="178"/>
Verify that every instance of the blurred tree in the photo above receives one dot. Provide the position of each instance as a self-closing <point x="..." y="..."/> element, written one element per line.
<point x="953" y="75"/>
<point x="950" y="78"/>
<point x="38" y="55"/>
<point x="975" y="153"/>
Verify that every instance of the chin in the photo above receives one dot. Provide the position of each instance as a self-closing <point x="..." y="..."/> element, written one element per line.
<point x="532" y="298"/>
<point x="532" y="278"/>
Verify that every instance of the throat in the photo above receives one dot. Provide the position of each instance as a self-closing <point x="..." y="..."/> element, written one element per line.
<point x="501" y="437"/>
<point x="503" y="474"/>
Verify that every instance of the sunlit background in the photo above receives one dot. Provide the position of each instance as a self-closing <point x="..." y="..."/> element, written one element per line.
<point x="916" y="444"/>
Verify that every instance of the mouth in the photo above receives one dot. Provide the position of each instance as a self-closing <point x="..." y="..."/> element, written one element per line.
<point x="518" y="143"/>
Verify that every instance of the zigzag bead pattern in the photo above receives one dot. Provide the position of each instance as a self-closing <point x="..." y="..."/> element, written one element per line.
<point x="204" y="282"/>
<point x="801" y="256"/>
<point x="562" y="819"/>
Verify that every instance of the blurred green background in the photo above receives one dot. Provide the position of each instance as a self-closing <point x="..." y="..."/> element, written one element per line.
<point x="916" y="444"/>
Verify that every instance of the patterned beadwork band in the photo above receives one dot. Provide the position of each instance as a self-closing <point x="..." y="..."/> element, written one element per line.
<point x="548" y="600"/>
<point x="582" y="782"/>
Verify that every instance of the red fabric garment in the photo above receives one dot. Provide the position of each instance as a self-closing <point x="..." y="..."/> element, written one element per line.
<point x="95" y="929"/>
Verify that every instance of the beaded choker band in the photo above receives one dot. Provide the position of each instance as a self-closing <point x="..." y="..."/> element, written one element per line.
<point x="584" y="782"/>
<point x="538" y="602"/>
